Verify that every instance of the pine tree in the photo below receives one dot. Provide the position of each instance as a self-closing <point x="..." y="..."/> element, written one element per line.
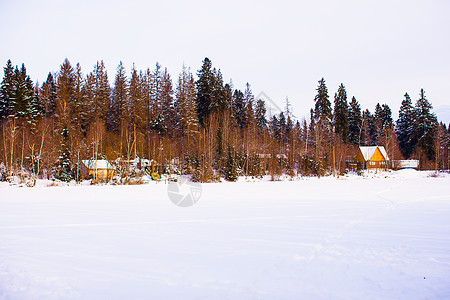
<point x="185" y="103"/>
<point x="369" y="134"/>
<point x="137" y="109"/>
<point x="102" y="92"/>
<point x="386" y="118"/>
<point x="275" y="128"/>
<point x="118" y="107"/>
<point x="354" y="122"/>
<point x="35" y="109"/>
<point x="249" y="100"/>
<point x="426" y="126"/>
<point x="80" y="108"/>
<point x="22" y="93"/>
<point x="218" y="99"/>
<point x="282" y="125"/>
<point x="65" y="94"/>
<point x="240" y="110"/>
<point x="167" y="103"/>
<point x="260" y="115"/>
<point x="64" y="167"/>
<point x="230" y="167"/>
<point x="6" y="90"/>
<point x="205" y="88"/>
<point x="405" y="127"/>
<point x="48" y="96"/>
<point x="341" y="114"/>
<point x="322" y="111"/>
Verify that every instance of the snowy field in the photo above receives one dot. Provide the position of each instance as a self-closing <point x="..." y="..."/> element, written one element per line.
<point x="347" y="238"/>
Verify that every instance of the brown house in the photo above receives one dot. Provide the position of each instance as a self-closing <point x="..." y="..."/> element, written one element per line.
<point x="97" y="169"/>
<point x="373" y="157"/>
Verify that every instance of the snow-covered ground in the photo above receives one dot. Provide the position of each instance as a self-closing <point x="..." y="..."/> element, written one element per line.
<point x="345" y="238"/>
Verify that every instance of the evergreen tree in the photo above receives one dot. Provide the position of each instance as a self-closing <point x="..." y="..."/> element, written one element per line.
<point x="240" y="109"/>
<point x="185" y="103"/>
<point x="377" y="124"/>
<point x="289" y="117"/>
<point x="249" y="100"/>
<point x="405" y="127"/>
<point x="22" y="93"/>
<point x="322" y="111"/>
<point x="137" y="109"/>
<point x="218" y="99"/>
<point x="118" y="104"/>
<point x="275" y="128"/>
<point x="35" y="109"/>
<point x="260" y="115"/>
<point x="80" y="108"/>
<point x="282" y="125"/>
<point x="426" y="126"/>
<point x="230" y="167"/>
<point x="386" y="118"/>
<point x="102" y="92"/>
<point x="6" y="90"/>
<point x="64" y="167"/>
<point x="65" y="93"/>
<point x="341" y="114"/>
<point x="370" y="133"/>
<point x="354" y="122"/>
<point x="205" y="88"/>
<point x="48" y="96"/>
<point x="156" y="86"/>
<point x="167" y="103"/>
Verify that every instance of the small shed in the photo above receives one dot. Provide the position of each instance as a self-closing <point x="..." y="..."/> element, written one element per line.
<point x="99" y="169"/>
<point x="373" y="157"/>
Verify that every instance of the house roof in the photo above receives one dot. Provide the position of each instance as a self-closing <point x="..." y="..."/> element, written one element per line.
<point x="368" y="151"/>
<point x="98" y="164"/>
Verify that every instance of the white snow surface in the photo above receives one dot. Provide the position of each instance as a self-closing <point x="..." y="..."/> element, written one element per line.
<point x="386" y="237"/>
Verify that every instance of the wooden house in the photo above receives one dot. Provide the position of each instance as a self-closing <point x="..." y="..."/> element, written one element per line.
<point x="99" y="169"/>
<point x="373" y="157"/>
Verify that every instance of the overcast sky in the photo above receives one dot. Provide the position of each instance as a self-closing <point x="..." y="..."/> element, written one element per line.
<point x="378" y="49"/>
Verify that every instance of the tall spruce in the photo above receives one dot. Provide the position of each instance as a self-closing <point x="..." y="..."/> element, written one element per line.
<point x="6" y="90"/>
<point x="231" y="173"/>
<point x="22" y="93"/>
<point x="167" y="103"/>
<point x="249" y="100"/>
<point x="185" y="103"/>
<point x="341" y="126"/>
<point x="48" y="96"/>
<point x="65" y="93"/>
<point x="354" y="122"/>
<point x="386" y="118"/>
<point x="102" y="92"/>
<point x="369" y="135"/>
<point x="322" y="110"/>
<point x="205" y="89"/>
<point x="426" y="126"/>
<point x="405" y="127"/>
<point x="260" y="115"/>
<point x="64" y="170"/>
<point x="240" y="109"/>
<point x="118" y="107"/>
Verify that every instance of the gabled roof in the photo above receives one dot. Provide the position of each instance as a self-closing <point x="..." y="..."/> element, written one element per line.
<point x="383" y="151"/>
<point x="98" y="164"/>
<point x="368" y="152"/>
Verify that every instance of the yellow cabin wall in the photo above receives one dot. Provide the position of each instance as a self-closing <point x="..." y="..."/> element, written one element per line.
<point x="377" y="156"/>
<point x="101" y="173"/>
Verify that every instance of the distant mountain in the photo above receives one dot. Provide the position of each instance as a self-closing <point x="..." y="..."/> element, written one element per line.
<point x="443" y="113"/>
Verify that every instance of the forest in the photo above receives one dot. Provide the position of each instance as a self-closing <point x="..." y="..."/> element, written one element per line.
<point x="195" y="124"/>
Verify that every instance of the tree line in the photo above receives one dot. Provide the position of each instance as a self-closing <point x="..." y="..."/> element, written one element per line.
<point x="202" y="126"/>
